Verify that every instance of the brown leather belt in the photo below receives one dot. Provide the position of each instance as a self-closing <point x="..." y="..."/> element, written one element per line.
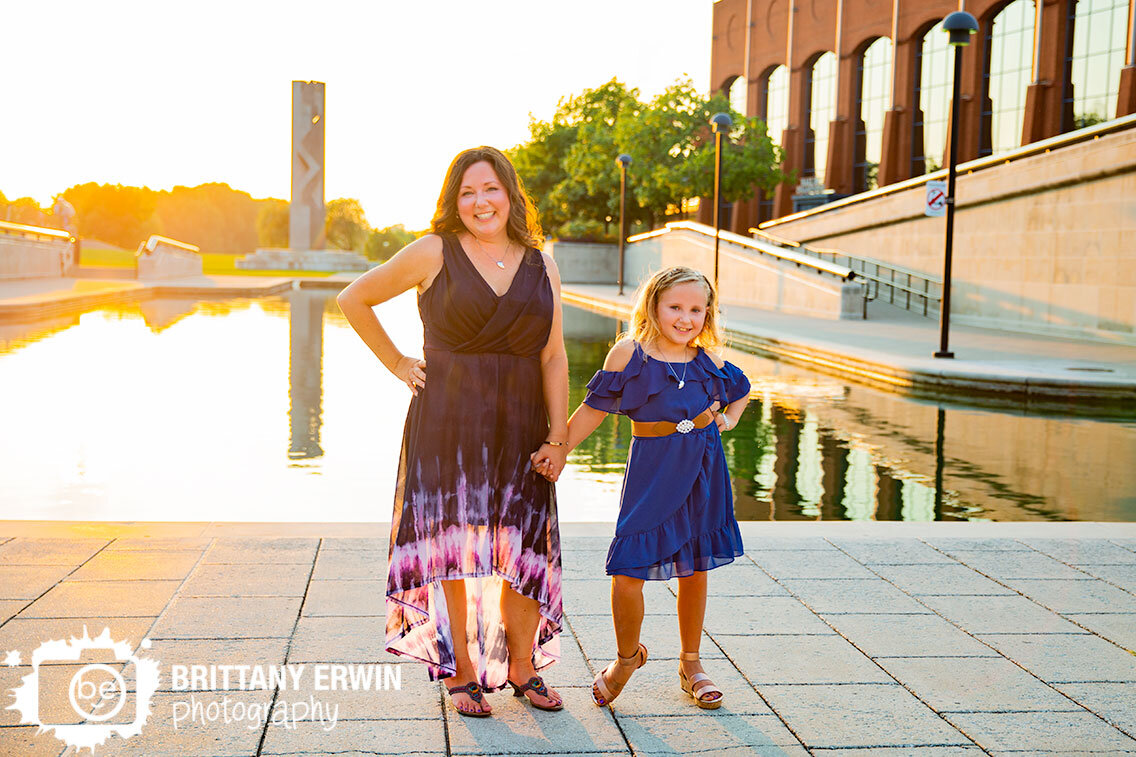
<point x="666" y="428"/>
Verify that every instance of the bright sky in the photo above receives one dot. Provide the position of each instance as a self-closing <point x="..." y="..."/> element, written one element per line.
<point x="161" y="93"/>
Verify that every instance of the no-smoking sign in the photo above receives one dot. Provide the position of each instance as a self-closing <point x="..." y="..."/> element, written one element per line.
<point x="936" y="203"/>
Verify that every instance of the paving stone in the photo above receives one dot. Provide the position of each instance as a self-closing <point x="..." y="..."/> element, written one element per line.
<point x="924" y="580"/>
<point x="852" y="595"/>
<point x="654" y="690"/>
<point x="709" y="734"/>
<point x="1084" y="551"/>
<point x="228" y="618"/>
<point x="29" y="581"/>
<point x="1011" y="614"/>
<point x="518" y="728"/>
<point x="1115" y="702"/>
<point x="1034" y="732"/>
<point x="163" y="543"/>
<point x="27" y="741"/>
<point x="262" y="551"/>
<point x="952" y="545"/>
<point x="1119" y="629"/>
<point x="802" y="659"/>
<point x="23" y="551"/>
<point x="572" y="667"/>
<point x="137" y="564"/>
<point x="782" y="543"/>
<point x="197" y="731"/>
<point x="343" y="640"/>
<point x="1060" y="658"/>
<point x="356" y="598"/>
<point x="170" y="652"/>
<point x="1075" y="596"/>
<point x="1122" y="576"/>
<point x="408" y="695"/>
<point x="859" y="715"/>
<point x="907" y="636"/>
<point x="26" y="634"/>
<point x="597" y="637"/>
<point x="352" y="543"/>
<point x="224" y="580"/>
<point x="743" y="579"/>
<point x="762" y="615"/>
<point x="892" y="552"/>
<point x="818" y="564"/>
<point x="9" y="608"/>
<point x="989" y="684"/>
<point x="370" y="737"/>
<point x="593" y="597"/>
<point x="109" y="599"/>
<point x="368" y="564"/>
<point x="51" y="709"/>
<point x="1002" y="565"/>
<point x="903" y="751"/>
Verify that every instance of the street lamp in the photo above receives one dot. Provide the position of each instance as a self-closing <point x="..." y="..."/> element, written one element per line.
<point x="720" y="124"/>
<point x="623" y="161"/>
<point x="960" y="25"/>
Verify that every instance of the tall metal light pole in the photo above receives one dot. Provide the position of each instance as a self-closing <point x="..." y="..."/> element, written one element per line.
<point x="623" y="161"/>
<point x="720" y="124"/>
<point x="960" y="25"/>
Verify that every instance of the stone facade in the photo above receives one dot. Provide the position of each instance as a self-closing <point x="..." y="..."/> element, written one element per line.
<point x="162" y="258"/>
<point x="29" y="255"/>
<point x="752" y="37"/>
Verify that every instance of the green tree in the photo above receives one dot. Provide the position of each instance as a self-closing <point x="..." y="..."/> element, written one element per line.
<point x="27" y="211"/>
<point x="346" y="225"/>
<point x="117" y="214"/>
<point x="384" y="243"/>
<point x="272" y="223"/>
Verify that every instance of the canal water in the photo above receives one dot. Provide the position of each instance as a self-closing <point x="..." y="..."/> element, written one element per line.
<point x="274" y="410"/>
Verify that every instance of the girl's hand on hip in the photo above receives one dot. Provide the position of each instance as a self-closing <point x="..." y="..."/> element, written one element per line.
<point x="412" y="372"/>
<point x="724" y="423"/>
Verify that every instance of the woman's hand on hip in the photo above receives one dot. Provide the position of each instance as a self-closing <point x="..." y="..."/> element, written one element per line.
<point x="412" y="372"/>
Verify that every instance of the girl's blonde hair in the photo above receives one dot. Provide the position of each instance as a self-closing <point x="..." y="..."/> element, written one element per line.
<point x="644" y="327"/>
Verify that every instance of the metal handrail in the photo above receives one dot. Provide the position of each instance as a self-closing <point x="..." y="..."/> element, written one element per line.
<point x="38" y="231"/>
<point x="895" y="289"/>
<point x="800" y="260"/>
<point x="151" y="244"/>
<point x="1034" y="148"/>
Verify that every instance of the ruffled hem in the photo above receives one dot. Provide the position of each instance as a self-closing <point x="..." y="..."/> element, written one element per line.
<point x="699" y="553"/>
<point x="621" y="392"/>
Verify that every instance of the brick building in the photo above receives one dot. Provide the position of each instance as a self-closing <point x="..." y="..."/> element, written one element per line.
<point x="857" y="92"/>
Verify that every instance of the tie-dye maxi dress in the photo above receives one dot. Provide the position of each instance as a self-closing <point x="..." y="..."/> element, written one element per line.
<point x="467" y="503"/>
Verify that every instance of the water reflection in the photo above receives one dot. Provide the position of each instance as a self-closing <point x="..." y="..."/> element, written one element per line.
<point x="184" y="408"/>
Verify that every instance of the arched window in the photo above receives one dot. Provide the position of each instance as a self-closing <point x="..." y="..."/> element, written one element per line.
<point x="822" y="109"/>
<point x="1093" y="60"/>
<point x="873" y="99"/>
<point x="737" y="94"/>
<point x="1009" y="58"/>
<point x="933" y="66"/>
<point x="773" y="105"/>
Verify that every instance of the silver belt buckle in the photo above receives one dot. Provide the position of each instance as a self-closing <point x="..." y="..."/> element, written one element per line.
<point x="684" y="426"/>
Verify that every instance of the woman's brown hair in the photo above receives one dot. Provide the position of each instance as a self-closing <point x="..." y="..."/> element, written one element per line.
<point x="523" y="225"/>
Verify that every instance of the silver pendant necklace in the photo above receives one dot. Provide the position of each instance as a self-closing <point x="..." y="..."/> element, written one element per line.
<point x="681" y="381"/>
<point x="500" y="263"/>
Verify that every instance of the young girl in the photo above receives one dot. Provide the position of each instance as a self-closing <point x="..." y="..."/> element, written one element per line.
<point x="676" y="513"/>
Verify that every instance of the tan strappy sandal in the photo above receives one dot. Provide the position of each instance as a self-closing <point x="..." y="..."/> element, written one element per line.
<point x="698" y="686"/>
<point x="602" y="695"/>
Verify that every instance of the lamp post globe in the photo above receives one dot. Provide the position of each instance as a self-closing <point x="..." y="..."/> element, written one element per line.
<point x="960" y="25"/>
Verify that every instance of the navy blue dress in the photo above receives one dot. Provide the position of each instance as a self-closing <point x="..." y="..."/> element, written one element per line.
<point x="676" y="511"/>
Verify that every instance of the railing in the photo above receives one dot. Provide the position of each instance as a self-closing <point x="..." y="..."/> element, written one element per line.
<point x="33" y="231"/>
<point x="151" y="245"/>
<point x="1034" y="148"/>
<point x="887" y="282"/>
<point x="799" y="259"/>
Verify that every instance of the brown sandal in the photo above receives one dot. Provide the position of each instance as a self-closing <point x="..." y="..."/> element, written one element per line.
<point x="474" y="692"/>
<point x="698" y="686"/>
<point x="601" y="694"/>
<point x="536" y="686"/>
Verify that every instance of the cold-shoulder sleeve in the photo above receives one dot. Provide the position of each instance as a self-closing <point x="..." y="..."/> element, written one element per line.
<point x="735" y="385"/>
<point x="617" y="391"/>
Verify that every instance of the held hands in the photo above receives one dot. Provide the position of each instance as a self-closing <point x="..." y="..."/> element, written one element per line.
<point x="412" y="372"/>
<point x="549" y="461"/>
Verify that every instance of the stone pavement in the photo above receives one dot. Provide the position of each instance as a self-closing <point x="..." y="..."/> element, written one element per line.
<point x="828" y="639"/>
<point x="893" y="348"/>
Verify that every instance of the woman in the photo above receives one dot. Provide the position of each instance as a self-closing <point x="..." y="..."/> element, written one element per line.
<point x="473" y="586"/>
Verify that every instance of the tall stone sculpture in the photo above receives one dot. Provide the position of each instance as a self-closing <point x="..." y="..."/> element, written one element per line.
<point x="306" y="212"/>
